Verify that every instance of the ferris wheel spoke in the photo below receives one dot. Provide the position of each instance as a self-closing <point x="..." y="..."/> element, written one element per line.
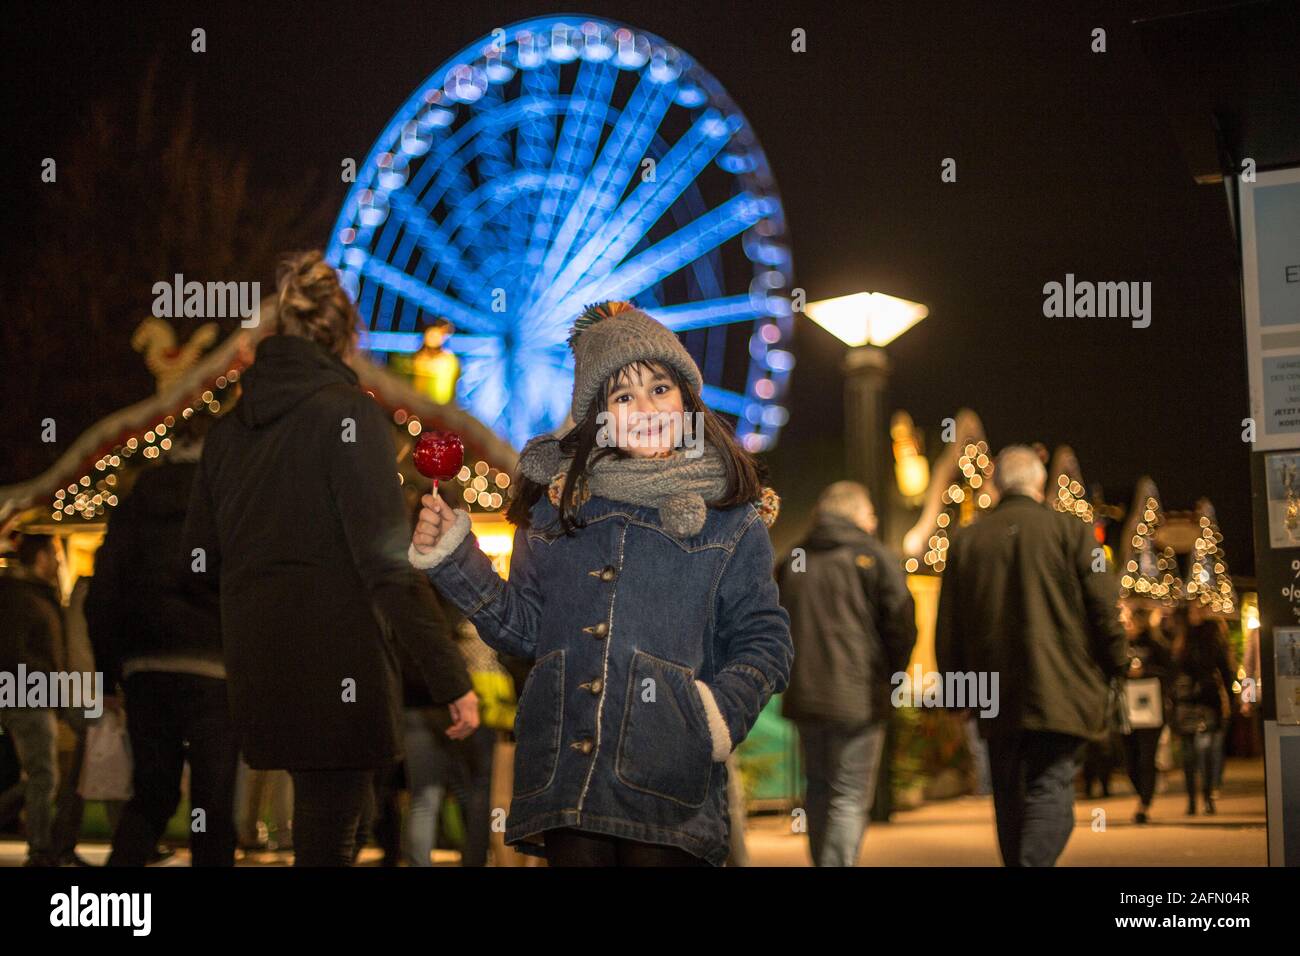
<point x="431" y="239"/>
<point x="492" y="148"/>
<point x="535" y="142"/>
<point x="708" y="313"/>
<point x="667" y="256"/>
<point x="622" y="230"/>
<point x="723" y="400"/>
<point x="404" y="286"/>
<point x="627" y="142"/>
<point x="475" y="346"/>
<point x="579" y="134"/>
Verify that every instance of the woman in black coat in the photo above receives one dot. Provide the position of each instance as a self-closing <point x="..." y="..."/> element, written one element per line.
<point x="1149" y="657"/>
<point x="298" y="510"/>
<point x="1202" y="692"/>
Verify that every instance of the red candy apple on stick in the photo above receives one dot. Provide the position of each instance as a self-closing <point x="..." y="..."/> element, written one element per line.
<point x="439" y="455"/>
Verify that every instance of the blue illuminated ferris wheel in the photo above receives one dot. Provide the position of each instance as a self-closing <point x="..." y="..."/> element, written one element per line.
<point x="561" y="161"/>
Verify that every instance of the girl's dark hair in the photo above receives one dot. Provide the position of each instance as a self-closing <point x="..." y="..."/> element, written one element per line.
<point x="745" y="475"/>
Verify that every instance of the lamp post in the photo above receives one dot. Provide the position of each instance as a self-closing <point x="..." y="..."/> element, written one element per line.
<point x="867" y="322"/>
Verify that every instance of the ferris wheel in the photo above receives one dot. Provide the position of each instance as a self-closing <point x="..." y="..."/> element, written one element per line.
<point x="561" y="161"/>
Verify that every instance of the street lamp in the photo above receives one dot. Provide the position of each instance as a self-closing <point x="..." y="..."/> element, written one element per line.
<point x="866" y="322"/>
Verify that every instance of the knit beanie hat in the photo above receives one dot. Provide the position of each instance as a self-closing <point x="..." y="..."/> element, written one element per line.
<point x="610" y="335"/>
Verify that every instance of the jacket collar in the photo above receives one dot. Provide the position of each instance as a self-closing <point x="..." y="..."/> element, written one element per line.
<point x="832" y="531"/>
<point x="1016" y="498"/>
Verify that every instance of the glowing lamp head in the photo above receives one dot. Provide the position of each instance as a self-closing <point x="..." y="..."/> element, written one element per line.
<point x="866" y="318"/>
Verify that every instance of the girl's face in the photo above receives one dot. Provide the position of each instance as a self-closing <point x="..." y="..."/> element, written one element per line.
<point x="645" y="411"/>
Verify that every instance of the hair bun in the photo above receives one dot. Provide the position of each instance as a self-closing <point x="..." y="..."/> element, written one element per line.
<point x="312" y="302"/>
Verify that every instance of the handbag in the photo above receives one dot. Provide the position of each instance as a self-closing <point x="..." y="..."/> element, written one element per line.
<point x="1144" y="703"/>
<point x="107" y="767"/>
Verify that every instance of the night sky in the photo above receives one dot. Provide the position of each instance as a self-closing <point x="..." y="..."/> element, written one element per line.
<point x="1066" y="164"/>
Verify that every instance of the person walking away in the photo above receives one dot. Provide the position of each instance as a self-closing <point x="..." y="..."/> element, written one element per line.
<point x="1149" y="658"/>
<point x="1202" y="693"/>
<point x="1021" y="599"/>
<point x="156" y="630"/>
<point x="641" y="585"/>
<point x="297" y="510"/>
<point x="853" y="624"/>
<point x="79" y="658"/>
<point x="31" y="636"/>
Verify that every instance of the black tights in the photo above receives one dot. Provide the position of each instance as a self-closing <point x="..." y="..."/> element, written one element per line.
<point x="567" y="847"/>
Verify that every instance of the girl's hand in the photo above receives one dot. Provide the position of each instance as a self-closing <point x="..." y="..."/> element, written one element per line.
<point x="436" y="519"/>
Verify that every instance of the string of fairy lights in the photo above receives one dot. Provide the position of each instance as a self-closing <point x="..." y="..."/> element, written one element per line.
<point x="963" y="499"/>
<point x="1150" y="573"/>
<point x="1069" y="499"/>
<point x="90" y="496"/>
<point x="482" y="485"/>
<point x="1208" y="581"/>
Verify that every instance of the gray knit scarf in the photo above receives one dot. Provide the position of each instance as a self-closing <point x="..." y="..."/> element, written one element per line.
<point x="679" y="487"/>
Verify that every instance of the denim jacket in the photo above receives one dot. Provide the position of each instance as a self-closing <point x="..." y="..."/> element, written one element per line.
<point x="653" y="657"/>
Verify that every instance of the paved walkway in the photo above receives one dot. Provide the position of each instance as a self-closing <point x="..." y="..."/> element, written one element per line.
<point x="960" y="833"/>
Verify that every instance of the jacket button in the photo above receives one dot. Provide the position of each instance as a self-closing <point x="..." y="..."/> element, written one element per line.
<point x="609" y="573"/>
<point x="597" y="630"/>
<point x="583" y="745"/>
<point x="597" y="686"/>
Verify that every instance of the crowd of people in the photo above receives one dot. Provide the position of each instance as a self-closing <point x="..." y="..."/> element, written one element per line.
<point x="1024" y="597"/>
<point x="272" y="608"/>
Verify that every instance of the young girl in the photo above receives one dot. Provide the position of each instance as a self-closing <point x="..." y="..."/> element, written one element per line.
<point x="641" y="585"/>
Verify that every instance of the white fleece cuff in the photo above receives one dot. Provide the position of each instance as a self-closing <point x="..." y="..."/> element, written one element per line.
<point x="717" y="726"/>
<point x="445" y="546"/>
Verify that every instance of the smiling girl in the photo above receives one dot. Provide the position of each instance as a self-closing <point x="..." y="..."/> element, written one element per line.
<point x="641" y="587"/>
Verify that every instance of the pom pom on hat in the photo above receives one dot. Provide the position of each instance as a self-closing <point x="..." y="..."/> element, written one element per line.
<point x="596" y="312"/>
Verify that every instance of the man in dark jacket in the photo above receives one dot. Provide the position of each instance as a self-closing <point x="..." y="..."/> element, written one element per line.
<point x="1026" y="595"/>
<point x="31" y="635"/>
<point x="297" y="510"/>
<point x="156" y="630"/>
<point x="853" y="625"/>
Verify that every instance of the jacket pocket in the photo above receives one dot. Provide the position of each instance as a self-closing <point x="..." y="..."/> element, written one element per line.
<point x="664" y="746"/>
<point x="538" y="723"/>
